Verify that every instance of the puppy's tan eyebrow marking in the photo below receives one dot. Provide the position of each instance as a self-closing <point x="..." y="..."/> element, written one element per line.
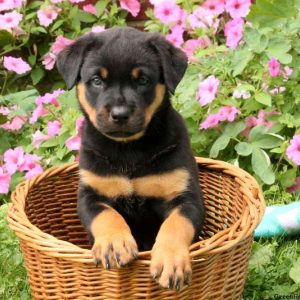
<point x="168" y="185"/>
<point x="160" y="90"/>
<point x="108" y="186"/>
<point x="103" y="73"/>
<point x="85" y="104"/>
<point x="135" y="73"/>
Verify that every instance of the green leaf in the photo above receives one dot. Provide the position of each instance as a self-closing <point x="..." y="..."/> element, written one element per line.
<point x="100" y="7"/>
<point x="6" y="38"/>
<point x="261" y="255"/>
<point x="260" y="165"/>
<point x="268" y="141"/>
<point x="233" y="129"/>
<point x="295" y="272"/>
<point x="243" y="148"/>
<point x="257" y="132"/>
<point x="263" y="98"/>
<point x="32" y="59"/>
<point x="267" y="13"/>
<point x="85" y="17"/>
<point x="68" y="99"/>
<point x="240" y="60"/>
<point x="255" y="41"/>
<point x="278" y="48"/>
<point x="50" y="143"/>
<point x="288" y="178"/>
<point x="245" y="87"/>
<point x="57" y="24"/>
<point x="36" y="75"/>
<point x="220" y="144"/>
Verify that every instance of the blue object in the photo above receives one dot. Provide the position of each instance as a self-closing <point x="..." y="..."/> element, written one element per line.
<point x="280" y="220"/>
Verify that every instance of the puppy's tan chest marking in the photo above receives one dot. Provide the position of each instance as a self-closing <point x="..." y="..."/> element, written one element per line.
<point x="167" y="185"/>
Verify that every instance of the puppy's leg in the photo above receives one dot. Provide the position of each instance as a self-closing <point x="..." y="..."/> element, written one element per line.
<point x="114" y="244"/>
<point x="170" y="262"/>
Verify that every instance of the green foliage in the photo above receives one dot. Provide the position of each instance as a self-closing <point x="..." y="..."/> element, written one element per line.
<point x="261" y="149"/>
<point x="273" y="270"/>
<point x="13" y="283"/>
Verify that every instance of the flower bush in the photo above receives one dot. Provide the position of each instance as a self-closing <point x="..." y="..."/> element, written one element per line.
<point x="240" y="95"/>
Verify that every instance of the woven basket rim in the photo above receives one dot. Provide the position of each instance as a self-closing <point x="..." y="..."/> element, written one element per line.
<point x="221" y="241"/>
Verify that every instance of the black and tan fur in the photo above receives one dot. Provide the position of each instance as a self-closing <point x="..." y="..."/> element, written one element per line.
<point x="138" y="178"/>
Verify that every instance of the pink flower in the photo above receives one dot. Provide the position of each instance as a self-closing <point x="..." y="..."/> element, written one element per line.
<point x="293" y="150"/>
<point x="38" y="138"/>
<point x="16" y="31"/>
<point x="97" y="28"/>
<point x="16" y="123"/>
<point x="37" y="113"/>
<point x="238" y="8"/>
<point x="49" y="98"/>
<point x="90" y="8"/>
<point x="4" y="181"/>
<point x="260" y="120"/>
<point x="191" y="46"/>
<point x="167" y="12"/>
<point x="228" y="113"/>
<point x="234" y="32"/>
<point x="53" y="128"/>
<point x="132" y="6"/>
<point x="49" y="60"/>
<point x="73" y="143"/>
<point x="79" y="124"/>
<point x="13" y="159"/>
<point x="6" y="5"/>
<point x="4" y="111"/>
<point x="176" y="36"/>
<point x="278" y="90"/>
<point x="17" y="65"/>
<point x="287" y="72"/>
<point x="10" y="4"/>
<point x="274" y="67"/>
<point x="34" y="169"/>
<point x="295" y="187"/>
<point x="17" y="3"/>
<point x="76" y="1"/>
<point x="207" y="90"/>
<point x="60" y="44"/>
<point x="31" y="166"/>
<point x="216" y="7"/>
<point x="211" y="121"/>
<point x="10" y="20"/>
<point x="47" y="15"/>
<point x="241" y="94"/>
<point x="201" y="18"/>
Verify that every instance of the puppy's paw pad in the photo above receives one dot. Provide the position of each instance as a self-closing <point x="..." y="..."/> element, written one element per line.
<point x="171" y="266"/>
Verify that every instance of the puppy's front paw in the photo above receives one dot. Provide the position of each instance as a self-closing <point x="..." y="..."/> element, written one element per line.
<point x="114" y="250"/>
<point x="171" y="266"/>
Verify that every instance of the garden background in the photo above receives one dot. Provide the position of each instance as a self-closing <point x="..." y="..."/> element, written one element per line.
<point x="240" y="98"/>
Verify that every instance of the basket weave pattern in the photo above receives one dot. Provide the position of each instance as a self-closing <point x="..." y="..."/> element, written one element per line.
<point x="58" y="257"/>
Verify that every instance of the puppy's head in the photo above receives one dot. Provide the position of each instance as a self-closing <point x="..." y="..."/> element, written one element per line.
<point x="122" y="76"/>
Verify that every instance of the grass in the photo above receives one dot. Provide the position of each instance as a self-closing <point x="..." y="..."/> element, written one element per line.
<point x="272" y="266"/>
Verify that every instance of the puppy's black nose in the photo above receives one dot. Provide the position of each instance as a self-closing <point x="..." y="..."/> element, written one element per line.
<point x="120" y="114"/>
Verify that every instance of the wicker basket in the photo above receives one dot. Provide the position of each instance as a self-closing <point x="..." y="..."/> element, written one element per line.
<point x="60" y="265"/>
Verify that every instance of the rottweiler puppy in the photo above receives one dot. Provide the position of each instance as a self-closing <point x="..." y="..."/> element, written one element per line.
<point x="138" y="185"/>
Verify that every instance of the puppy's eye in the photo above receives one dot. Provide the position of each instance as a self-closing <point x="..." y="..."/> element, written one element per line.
<point x="96" y="81"/>
<point x="143" y="80"/>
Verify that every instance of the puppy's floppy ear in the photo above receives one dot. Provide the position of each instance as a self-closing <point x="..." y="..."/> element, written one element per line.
<point x="70" y="60"/>
<point x="173" y="60"/>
